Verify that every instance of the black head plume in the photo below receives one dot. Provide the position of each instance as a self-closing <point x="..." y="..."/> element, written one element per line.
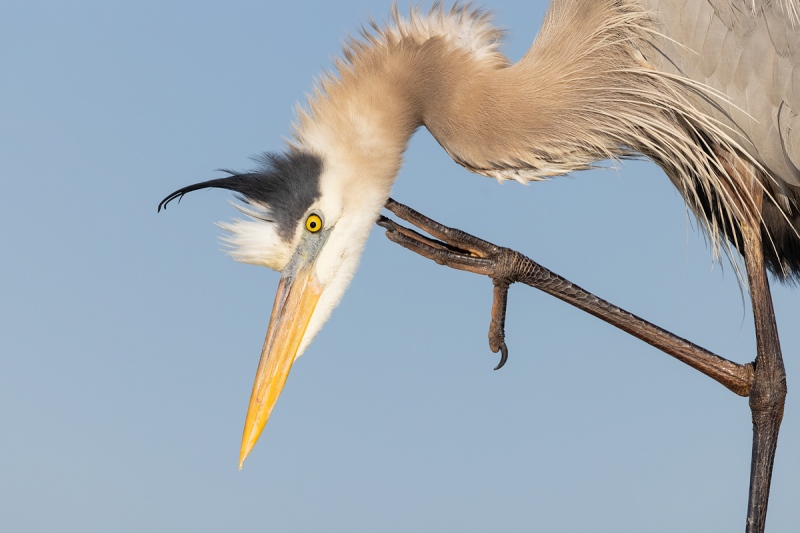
<point x="285" y="184"/>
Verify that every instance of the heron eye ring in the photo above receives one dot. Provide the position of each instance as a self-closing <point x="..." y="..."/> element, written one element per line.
<point x="313" y="223"/>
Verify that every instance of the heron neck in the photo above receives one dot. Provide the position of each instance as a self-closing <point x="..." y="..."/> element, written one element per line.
<point x="360" y="123"/>
<point x="561" y="108"/>
<point x="532" y="119"/>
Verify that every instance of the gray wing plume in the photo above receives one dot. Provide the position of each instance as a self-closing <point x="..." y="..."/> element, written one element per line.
<point x="746" y="53"/>
<point x="748" y="50"/>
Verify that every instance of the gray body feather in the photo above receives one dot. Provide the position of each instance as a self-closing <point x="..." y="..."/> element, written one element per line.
<point x="749" y="52"/>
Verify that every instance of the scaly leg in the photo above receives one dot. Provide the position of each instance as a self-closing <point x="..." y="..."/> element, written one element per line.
<point x="462" y="251"/>
<point x="768" y="393"/>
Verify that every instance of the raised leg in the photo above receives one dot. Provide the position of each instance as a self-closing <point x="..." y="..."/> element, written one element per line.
<point x="462" y="251"/>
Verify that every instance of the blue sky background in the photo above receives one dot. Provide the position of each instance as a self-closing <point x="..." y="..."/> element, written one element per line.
<point x="128" y="341"/>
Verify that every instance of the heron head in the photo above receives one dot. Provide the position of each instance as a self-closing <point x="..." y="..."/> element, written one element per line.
<point x="310" y="221"/>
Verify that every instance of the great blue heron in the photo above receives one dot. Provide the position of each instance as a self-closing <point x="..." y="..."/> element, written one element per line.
<point x="707" y="89"/>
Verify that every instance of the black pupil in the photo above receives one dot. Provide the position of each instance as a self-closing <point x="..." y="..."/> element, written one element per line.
<point x="313" y="224"/>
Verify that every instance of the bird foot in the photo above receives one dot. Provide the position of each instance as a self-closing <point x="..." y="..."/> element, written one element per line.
<point x="458" y="249"/>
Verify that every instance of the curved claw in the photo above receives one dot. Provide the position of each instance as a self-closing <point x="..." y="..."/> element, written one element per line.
<point x="503" y="356"/>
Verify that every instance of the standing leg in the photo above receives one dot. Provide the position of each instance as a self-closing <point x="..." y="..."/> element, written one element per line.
<point x="768" y="393"/>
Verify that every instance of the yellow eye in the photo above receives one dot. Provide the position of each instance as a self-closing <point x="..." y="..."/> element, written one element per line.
<point x="313" y="223"/>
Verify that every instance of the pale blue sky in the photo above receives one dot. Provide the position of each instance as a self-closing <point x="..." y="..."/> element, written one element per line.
<point x="129" y="341"/>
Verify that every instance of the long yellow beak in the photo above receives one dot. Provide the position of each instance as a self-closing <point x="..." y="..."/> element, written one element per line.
<point x="295" y="302"/>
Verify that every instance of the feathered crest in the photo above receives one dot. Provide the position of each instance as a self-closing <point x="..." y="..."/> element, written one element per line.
<point x="279" y="191"/>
